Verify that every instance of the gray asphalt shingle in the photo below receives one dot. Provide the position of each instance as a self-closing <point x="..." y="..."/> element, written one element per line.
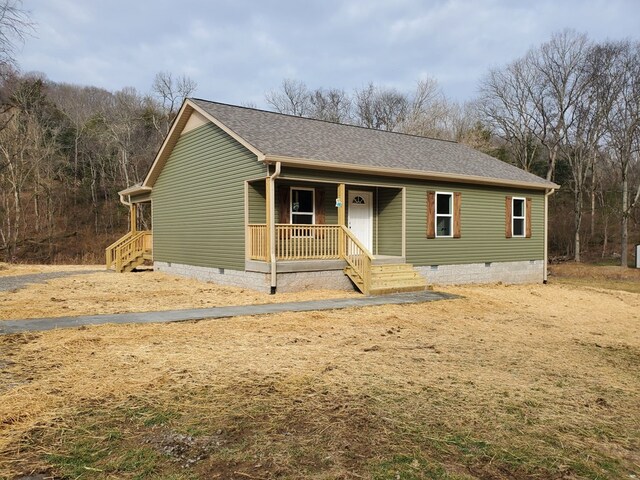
<point x="290" y="136"/>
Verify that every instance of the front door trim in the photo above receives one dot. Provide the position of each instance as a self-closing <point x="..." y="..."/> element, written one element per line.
<point x="367" y="195"/>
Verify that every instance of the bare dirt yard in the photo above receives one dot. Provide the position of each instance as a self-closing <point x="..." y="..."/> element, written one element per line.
<point x="509" y="382"/>
<point x="108" y="292"/>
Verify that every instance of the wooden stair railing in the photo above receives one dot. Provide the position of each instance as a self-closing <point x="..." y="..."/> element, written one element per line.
<point x="110" y="251"/>
<point x="358" y="258"/>
<point x="132" y="250"/>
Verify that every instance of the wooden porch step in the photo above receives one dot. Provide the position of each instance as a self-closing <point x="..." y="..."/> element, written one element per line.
<point x="390" y="278"/>
<point x="137" y="261"/>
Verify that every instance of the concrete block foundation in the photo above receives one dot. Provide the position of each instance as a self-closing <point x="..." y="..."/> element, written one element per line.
<point x="529" y="271"/>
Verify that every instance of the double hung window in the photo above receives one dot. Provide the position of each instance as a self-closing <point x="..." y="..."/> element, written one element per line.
<point x="518" y="209"/>
<point x="444" y="214"/>
<point x="302" y="203"/>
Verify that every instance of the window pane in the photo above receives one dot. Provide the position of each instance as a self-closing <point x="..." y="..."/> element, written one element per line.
<point x="302" y="201"/>
<point x="443" y="226"/>
<point x="302" y="219"/>
<point x="518" y="207"/>
<point x="444" y="204"/>
<point x="518" y="227"/>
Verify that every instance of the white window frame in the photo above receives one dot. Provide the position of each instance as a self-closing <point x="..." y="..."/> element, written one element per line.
<point x="523" y="217"/>
<point x="436" y="215"/>
<point x="313" y="205"/>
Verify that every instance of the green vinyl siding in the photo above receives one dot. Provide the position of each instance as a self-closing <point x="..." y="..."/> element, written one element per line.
<point x="257" y="202"/>
<point x="482" y="220"/>
<point x="198" y="200"/>
<point x="389" y="218"/>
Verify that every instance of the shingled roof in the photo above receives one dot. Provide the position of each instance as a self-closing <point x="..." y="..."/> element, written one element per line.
<point x="278" y="135"/>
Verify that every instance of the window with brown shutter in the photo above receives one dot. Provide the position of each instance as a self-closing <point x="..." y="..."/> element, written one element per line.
<point x="443" y="214"/>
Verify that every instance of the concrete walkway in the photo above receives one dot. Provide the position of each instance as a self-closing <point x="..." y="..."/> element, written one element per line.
<point x="41" y="324"/>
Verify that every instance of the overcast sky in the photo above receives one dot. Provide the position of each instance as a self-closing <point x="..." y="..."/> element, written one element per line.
<point x="237" y="50"/>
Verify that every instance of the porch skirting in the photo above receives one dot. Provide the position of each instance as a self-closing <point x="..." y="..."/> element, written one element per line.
<point x="287" y="281"/>
<point x="528" y="271"/>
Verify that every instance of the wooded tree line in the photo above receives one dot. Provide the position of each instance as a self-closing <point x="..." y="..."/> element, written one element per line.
<point x="568" y="110"/>
<point x="65" y="152"/>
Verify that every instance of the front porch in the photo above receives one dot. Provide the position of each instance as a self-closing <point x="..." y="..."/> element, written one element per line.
<point x="313" y="232"/>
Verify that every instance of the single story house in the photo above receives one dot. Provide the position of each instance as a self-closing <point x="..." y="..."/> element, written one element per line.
<point x="268" y="201"/>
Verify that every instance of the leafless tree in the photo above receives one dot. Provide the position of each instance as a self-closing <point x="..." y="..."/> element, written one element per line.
<point x="429" y="113"/>
<point x="170" y="93"/>
<point x="621" y="78"/>
<point x="555" y="85"/>
<point x="506" y="104"/>
<point x="15" y="24"/>
<point x="380" y="108"/>
<point x="293" y="98"/>
<point x="333" y="105"/>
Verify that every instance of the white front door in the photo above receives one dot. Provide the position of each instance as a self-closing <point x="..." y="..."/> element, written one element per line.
<point x="360" y="220"/>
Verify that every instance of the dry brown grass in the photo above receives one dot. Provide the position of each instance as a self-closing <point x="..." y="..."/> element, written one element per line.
<point x="586" y="275"/>
<point x="9" y="269"/>
<point x="508" y="382"/>
<point x="108" y="292"/>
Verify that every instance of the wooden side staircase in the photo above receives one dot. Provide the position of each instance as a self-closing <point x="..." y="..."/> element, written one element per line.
<point x="130" y="251"/>
<point x="373" y="278"/>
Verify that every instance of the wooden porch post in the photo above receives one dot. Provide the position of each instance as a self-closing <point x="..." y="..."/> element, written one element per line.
<point x="342" y="218"/>
<point x="342" y="208"/>
<point x="133" y="217"/>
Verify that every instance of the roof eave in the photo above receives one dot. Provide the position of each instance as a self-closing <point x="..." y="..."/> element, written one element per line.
<point x="398" y="172"/>
<point x="135" y="190"/>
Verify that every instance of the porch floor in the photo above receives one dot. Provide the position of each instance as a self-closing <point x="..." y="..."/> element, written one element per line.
<point x="387" y="259"/>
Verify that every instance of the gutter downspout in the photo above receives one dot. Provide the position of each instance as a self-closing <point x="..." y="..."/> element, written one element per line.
<point x="545" y="273"/>
<point x="123" y="201"/>
<point x="272" y="226"/>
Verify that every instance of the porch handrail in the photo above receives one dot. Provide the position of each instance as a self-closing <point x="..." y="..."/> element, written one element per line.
<point x="111" y="249"/>
<point x="139" y="243"/>
<point x="301" y="242"/>
<point x="358" y="257"/>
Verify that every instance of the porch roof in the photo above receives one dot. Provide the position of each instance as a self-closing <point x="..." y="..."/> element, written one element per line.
<point x="322" y="144"/>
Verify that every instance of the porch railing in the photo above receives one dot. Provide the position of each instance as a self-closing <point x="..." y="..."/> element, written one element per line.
<point x="313" y="242"/>
<point x="138" y="244"/>
<point x="110" y="251"/>
<point x="358" y="257"/>
<point x="258" y="242"/>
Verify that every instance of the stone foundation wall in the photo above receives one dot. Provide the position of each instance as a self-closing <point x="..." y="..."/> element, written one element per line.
<point x="528" y="271"/>
<point x="287" y="282"/>
<point x="222" y="276"/>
